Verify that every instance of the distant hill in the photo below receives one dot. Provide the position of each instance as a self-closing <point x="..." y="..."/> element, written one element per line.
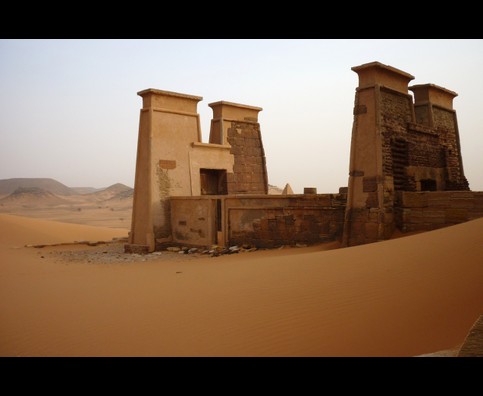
<point x="32" y="196"/>
<point x="85" y="190"/>
<point x="123" y="195"/>
<point x="116" y="190"/>
<point x="8" y="186"/>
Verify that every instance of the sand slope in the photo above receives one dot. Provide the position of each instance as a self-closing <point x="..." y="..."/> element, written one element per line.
<point x="404" y="297"/>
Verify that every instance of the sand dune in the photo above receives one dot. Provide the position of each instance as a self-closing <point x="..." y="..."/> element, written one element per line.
<point x="404" y="297"/>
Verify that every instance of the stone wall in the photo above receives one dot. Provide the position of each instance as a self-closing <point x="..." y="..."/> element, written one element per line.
<point x="193" y="221"/>
<point x="416" y="151"/>
<point x="259" y="220"/>
<point x="285" y="220"/>
<point x="249" y="170"/>
<point x="270" y="221"/>
<point x="424" y="211"/>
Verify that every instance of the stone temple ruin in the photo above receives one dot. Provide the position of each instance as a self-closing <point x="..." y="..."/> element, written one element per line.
<point x="405" y="172"/>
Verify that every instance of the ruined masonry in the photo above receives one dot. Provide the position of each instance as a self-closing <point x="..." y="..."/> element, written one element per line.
<point x="405" y="172"/>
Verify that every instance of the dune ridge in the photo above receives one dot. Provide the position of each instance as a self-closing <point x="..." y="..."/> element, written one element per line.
<point x="404" y="297"/>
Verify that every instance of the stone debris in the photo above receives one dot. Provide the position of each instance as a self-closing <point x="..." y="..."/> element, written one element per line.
<point x="174" y="249"/>
<point x="216" y="251"/>
<point x="113" y="253"/>
<point x="233" y="249"/>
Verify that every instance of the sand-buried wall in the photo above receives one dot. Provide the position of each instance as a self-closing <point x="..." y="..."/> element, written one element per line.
<point x="423" y="211"/>
<point x="258" y="220"/>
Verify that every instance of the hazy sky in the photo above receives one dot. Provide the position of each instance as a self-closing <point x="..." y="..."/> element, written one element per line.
<point x="70" y="110"/>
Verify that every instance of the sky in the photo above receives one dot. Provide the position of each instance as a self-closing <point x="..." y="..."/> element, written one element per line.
<point x="69" y="109"/>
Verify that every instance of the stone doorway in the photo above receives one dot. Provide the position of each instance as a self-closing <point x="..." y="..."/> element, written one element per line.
<point x="213" y="182"/>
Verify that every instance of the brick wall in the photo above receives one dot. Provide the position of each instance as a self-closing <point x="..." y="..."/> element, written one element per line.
<point x="258" y="220"/>
<point x="430" y="143"/>
<point x="270" y="221"/>
<point x="396" y="113"/>
<point x="285" y="220"/>
<point x="424" y="211"/>
<point x="249" y="170"/>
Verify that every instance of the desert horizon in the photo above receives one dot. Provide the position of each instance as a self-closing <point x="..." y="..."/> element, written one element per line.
<point x="409" y="296"/>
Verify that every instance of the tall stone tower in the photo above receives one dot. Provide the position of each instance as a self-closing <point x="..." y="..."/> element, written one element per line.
<point x="168" y="124"/>
<point x="397" y="145"/>
<point x="172" y="161"/>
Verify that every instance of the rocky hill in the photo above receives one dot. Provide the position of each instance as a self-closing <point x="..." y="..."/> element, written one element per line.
<point x="8" y="186"/>
<point x="32" y="195"/>
<point x="115" y="191"/>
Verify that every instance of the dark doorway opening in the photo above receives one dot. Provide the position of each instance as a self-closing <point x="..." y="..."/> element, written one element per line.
<point x="428" y="185"/>
<point x="213" y="182"/>
<point x="218" y="215"/>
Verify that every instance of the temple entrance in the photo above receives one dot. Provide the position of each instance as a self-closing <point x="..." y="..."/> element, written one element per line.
<point x="213" y="182"/>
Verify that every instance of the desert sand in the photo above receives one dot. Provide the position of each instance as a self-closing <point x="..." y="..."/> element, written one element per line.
<point x="403" y="297"/>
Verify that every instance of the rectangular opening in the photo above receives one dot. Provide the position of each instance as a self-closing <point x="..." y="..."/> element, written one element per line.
<point x="213" y="182"/>
<point x="428" y="185"/>
<point x="218" y="215"/>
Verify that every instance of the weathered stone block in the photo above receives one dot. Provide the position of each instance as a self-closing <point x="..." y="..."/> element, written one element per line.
<point x="372" y="200"/>
<point x="369" y="184"/>
<point x="414" y="200"/>
<point x="413" y="216"/>
<point x="461" y="202"/>
<point x="373" y="215"/>
<point x="462" y="195"/>
<point x="371" y="230"/>
<point x="438" y="199"/>
<point x="453" y="215"/>
<point x="388" y="218"/>
<point x="357" y="228"/>
<point x="434" y="216"/>
<point x="324" y="227"/>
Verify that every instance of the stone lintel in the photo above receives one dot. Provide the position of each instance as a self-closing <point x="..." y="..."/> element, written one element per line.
<point x="235" y="111"/>
<point x="157" y="98"/>
<point x="376" y="73"/>
<point x="434" y="94"/>
<point x="211" y="146"/>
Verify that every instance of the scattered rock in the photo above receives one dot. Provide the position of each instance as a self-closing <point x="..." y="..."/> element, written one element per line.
<point x="192" y="250"/>
<point x="174" y="249"/>
<point x="300" y="245"/>
<point x="253" y="249"/>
